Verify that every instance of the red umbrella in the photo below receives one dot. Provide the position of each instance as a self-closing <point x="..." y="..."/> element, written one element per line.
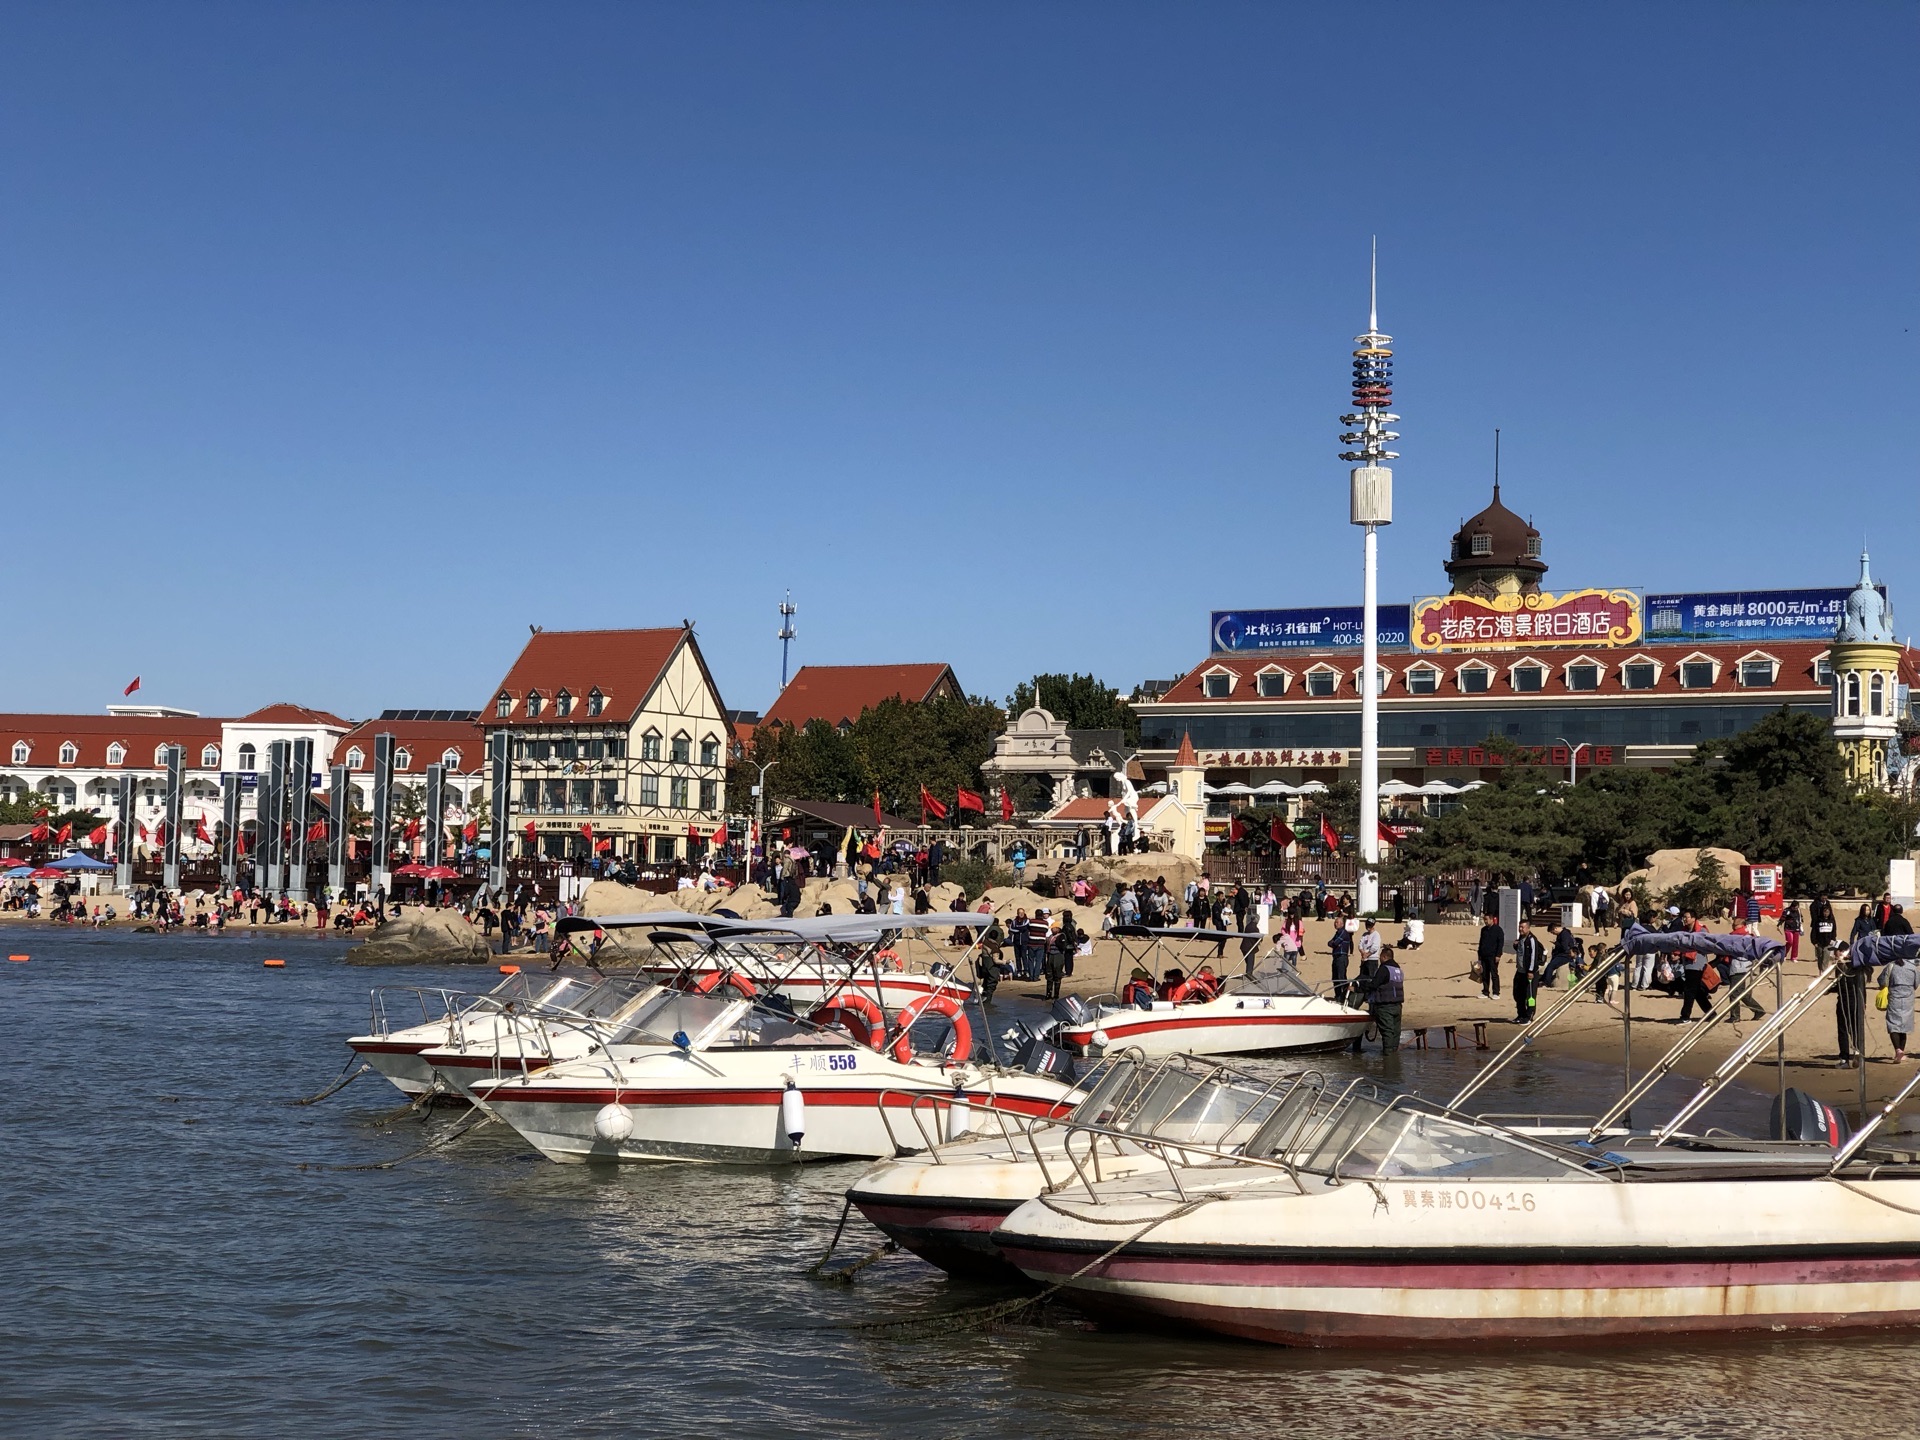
<point x="425" y="872"/>
<point x="47" y="872"/>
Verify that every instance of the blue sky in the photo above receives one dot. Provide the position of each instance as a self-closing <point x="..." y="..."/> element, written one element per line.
<point x="338" y="343"/>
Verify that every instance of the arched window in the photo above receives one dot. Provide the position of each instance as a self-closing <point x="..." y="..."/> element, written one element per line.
<point x="403" y="759"/>
<point x="450" y="758"/>
<point x="70" y="752"/>
<point x="503" y="706"/>
<point x="356" y="757"/>
<point x="247" y="759"/>
<point x="21" y="750"/>
<point x="116" y="753"/>
<point x="1877" y="695"/>
<point x="160" y="756"/>
<point x="210" y="757"/>
<point x="1853" y="695"/>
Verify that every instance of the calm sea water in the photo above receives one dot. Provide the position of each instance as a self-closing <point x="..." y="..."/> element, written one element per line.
<point x="170" y="1269"/>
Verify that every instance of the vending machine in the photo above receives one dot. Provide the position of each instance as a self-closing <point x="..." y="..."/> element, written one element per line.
<point x="1766" y="884"/>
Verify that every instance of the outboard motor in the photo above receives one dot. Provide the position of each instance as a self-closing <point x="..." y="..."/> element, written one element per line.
<point x="1807" y="1119"/>
<point x="1045" y="1059"/>
<point x="1072" y="1010"/>
<point x="1016" y="1043"/>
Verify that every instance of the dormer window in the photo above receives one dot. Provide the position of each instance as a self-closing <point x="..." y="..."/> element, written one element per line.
<point x="69" y="752"/>
<point x="1640" y="673"/>
<point x="210" y="757"/>
<point x="1217" y="684"/>
<point x="563" y="703"/>
<point x="116" y="754"/>
<point x="1482" y="545"/>
<point x="1823" y="670"/>
<point x="1533" y="547"/>
<point x="1322" y="680"/>
<point x="1423" y="680"/>
<point x="1583" y="675"/>
<point x="160" y="756"/>
<point x="1529" y="678"/>
<point x="1272" y="683"/>
<point x="1381" y="680"/>
<point x="596" y="702"/>
<point x="1758" y="671"/>
<point x="356" y="757"/>
<point x="682" y="749"/>
<point x="534" y="702"/>
<point x="1698" y="672"/>
<point x="21" y="750"/>
<point x="1474" y="679"/>
<point x="403" y="759"/>
<point x="450" y="758"/>
<point x="502" y="705"/>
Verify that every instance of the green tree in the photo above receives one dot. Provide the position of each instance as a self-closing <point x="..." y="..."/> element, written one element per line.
<point x="1081" y="701"/>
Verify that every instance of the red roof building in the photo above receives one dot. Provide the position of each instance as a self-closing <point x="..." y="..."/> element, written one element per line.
<point x="838" y="694"/>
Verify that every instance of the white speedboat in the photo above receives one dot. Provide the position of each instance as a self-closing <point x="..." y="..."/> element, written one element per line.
<point x="1270" y="1010"/>
<point x="720" y="1078"/>
<point x="487" y="1040"/>
<point x="945" y="1203"/>
<point x="409" y="1020"/>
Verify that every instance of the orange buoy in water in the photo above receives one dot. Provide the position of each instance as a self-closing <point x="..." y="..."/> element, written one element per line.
<point x="274" y="964"/>
<point x="504" y="969"/>
<point x="18" y="959"/>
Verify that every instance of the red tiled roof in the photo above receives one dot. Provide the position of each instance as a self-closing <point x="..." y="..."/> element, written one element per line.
<point x="284" y="713"/>
<point x="837" y="693"/>
<point x="94" y="734"/>
<point x="1092" y="810"/>
<point x="1796" y="673"/>
<point x="425" y="741"/>
<point x="624" y="665"/>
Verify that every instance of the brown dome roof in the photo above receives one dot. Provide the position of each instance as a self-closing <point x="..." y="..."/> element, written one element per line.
<point x="1505" y="542"/>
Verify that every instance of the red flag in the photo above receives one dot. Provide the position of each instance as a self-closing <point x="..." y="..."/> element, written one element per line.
<point x="1280" y="834"/>
<point x="531" y="829"/>
<point x="929" y="805"/>
<point x="133" y="687"/>
<point x="876" y="809"/>
<point x="316" y="832"/>
<point x="1327" y="836"/>
<point x="472" y="832"/>
<point x="97" y="837"/>
<point x="1006" y="804"/>
<point x="200" y="830"/>
<point x="603" y="845"/>
<point x="1236" y="830"/>
<point x="967" y="800"/>
<point x="239" y="843"/>
<point x="41" y="813"/>
<point x="587" y="830"/>
<point x="1391" y="834"/>
<point x="160" y="833"/>
<point x="142" y="829"/>
<point x="40" y="831"/>
<point x="412" y="832"/>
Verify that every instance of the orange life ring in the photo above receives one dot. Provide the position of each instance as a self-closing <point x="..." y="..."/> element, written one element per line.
<point x="857" y="1014"/>
<point x="890" y="959"/>
<point x="900" y="1046"/>
<point x="712" y="980"/>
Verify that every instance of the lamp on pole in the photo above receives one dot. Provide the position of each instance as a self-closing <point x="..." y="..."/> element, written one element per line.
<point x="1371" y="500"/>
<point x="760" y="815"/>
<point x="1573" y="758"/>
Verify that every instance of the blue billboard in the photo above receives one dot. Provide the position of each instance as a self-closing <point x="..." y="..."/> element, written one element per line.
<point x="1250" y="632"/>
<point x="1746" y="615"/>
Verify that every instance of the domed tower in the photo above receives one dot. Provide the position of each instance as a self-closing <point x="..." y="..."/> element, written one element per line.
<point x="1866" y="669"/>
<point x="1496" y="553"/>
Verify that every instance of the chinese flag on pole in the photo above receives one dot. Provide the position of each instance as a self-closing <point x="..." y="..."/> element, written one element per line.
<point x="877" y="822"/>
<point x="240" y="842"/>
<point x="412" y="832"/>
<point x="931" y="806"/>
<point x="1327" y="836"/>
<point x="967" y="800"/>
<point x="41" y="813"/>
<point x="1391" y="834"/>
<point x="141" y="830"/>
<point x="97" y="837"/>
<point x="39" y="832"/>
<point x="1236" y="830"/>
<point x="603" y="845"/>
<point x="316" y="832"/>
<point x="531" y="830"/>
<point x="200" y="830"/>
<point x="472" y="832"/>
<point x="132" y="687"/>
<point x="1280" y="834"/>
<point x="66" y="833"/>
<point x="587" y="830"/>
<point x="1006" y="804"/>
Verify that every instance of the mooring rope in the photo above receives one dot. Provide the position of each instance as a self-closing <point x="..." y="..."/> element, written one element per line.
<point x="439" y="1142"/>
<point x="340" y="1083"/>
<point x="982" y="1315"/>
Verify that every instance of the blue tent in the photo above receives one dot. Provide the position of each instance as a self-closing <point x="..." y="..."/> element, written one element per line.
<point x="19" y="872"/>
<point x="1638" y="941"/>
<point x="1874" y="950"/>
<point x="78" y="861"/>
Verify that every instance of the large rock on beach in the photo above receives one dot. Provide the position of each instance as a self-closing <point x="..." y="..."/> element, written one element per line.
<point x="423" y="936"/>
<point x="1106" y="871"/>
<point x="1667" y="870"/>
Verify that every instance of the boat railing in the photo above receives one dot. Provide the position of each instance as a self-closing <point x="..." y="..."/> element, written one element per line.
<point x="920" y="1105"/>
<point x="1534" y="1028"/>
<point x="381" y="1022"/>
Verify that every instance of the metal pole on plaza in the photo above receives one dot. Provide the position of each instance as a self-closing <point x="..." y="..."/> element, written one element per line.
<point x="299" y="816"/>
<point x="340" y="814"/>
<point x="262" y="826"/>
<point x="500" y="778"/>
<point x="276" y="848"/>
<point x="230" y="838"/>
<point x="436" y="821"/>
<point x="170" y="852"/>
<point x="382" y="811"/>
<point x="1371" y="499"/>
<point x="123" y="855"/>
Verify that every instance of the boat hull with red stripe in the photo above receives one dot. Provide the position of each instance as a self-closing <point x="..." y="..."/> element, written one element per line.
<point x="807" y="984"/>
<point x="1381" y="1262"/>
<point x="1229" y="1025"/>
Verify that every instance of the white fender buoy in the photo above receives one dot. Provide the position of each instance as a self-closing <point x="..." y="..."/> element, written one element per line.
<point x="959" y="1115"/>
<point x="1100" y="1037"/>
<point x="613" y="1123"/>
<point x="793" y="1114"/>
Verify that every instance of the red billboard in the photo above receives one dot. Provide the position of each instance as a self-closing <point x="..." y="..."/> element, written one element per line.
<point x="1519" y="622"/>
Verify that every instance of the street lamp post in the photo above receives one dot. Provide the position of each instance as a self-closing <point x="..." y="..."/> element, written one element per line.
<point x="760" y="817"/>
<point x="1371" y="500"/>
<point x="1573" y="758"/>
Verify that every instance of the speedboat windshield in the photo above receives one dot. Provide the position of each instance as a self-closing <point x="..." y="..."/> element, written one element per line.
<point x="1371" y="1140"/>
<point x="1274" y="977"/>
<point x="657" y="1019"/>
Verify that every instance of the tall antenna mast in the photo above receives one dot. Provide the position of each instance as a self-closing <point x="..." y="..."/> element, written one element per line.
<point x="785" y="637"/>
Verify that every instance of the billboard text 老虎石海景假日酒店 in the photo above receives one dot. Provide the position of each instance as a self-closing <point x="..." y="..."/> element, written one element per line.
<point x="1517" y="622"/>
<point x="1338" y="627"/>
<point x="1747" y="615"/>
